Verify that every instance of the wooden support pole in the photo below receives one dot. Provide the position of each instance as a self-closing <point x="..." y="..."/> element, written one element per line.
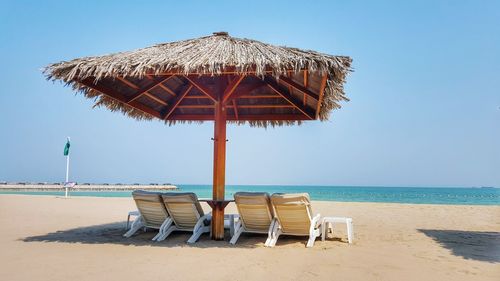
<point x="219" y="179"/>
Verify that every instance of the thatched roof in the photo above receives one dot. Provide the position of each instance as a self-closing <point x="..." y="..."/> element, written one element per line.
<point x="173" y="81"/>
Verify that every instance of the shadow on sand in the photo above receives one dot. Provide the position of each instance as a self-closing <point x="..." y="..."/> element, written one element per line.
<point x="473" y="245"/>
<point x="112" y="233"/>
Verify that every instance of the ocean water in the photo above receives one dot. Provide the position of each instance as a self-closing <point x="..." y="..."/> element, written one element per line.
<point x="413" y="195"/>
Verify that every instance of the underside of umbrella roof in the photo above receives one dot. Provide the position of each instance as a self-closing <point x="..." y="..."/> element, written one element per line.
<point x="181" y="81"/>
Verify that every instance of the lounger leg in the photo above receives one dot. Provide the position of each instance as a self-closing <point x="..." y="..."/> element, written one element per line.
<point x="239" y="230"/>
<point x="231" y="225"/>
<point x="310" y="242"/>
<point x="167" y="229"/>
<point x="272" y="233"/>
<point x="166" y="224"/>
<point x="197" y="233"/>
<point x="312" y="237"/>
<point x="156" y="236"/>
<point x="315" y="230"/>
<point x="324" y="227"/>
<point x="200" y="228"/>
<point x="163" y="227"/>
<point x="273" y="241"/>
<point x="136" y="225"/>
<point x="350" y="231"/>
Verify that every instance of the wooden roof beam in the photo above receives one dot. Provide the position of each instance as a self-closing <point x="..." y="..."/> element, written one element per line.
<point x="231" y="87"/>
<point x="197" y="106"/>
<point x="288" y="97"/>
<point x="260" y="97"/>
<point x="289" y="75"/>
<point x="145" y="90"/>
<point x="127" y="82"/>
<point x="156" y="99"/>
<point x="239" y="97"/>
<point x="306" y="82"/>
<point x="203" y="97"/>
<point x="118" y="97"/>
<point x="321" y="94"/>
<point x="194" y="82"/>
<point x="167" y="89"/>
<point x="235" y="109"/>
<point x="298" y="87"/>
<point x="257" y="106"/>
<point x="245" y="117"/>
<point x="169" y="110"/>
<point x="244" y="91"/>
<point x="266" y="106"/>
<point x="152" y="76"/>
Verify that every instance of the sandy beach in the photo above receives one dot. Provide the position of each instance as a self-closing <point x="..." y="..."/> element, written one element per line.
<point x="51" y="238"/>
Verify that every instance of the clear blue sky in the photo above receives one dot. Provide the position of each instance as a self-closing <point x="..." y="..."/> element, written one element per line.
<point x="424" y="109"/>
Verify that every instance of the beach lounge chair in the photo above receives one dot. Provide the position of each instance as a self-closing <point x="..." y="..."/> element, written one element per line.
<point x="186" y="214"/>
<point x="256" y="214"/>
<point x="294" y="217"/>
<point x="152" y="213"/>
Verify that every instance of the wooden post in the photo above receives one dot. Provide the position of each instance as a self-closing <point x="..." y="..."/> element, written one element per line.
<point x="219" y="169"/>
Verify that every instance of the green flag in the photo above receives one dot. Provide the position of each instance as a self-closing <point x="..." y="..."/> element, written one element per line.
<point x="66" y="148"/>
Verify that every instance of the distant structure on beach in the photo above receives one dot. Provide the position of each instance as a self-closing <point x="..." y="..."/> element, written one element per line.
<point x="43" y="186"/>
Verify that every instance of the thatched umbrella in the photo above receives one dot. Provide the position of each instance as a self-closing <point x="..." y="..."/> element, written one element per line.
<point x="214" y="78"/>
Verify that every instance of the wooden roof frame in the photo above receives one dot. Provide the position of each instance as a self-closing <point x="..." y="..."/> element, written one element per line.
<point x="282" y="87"/>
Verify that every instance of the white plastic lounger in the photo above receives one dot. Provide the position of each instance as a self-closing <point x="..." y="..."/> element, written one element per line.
<point x="152" y="213"/>
<point x="186" y="215"/>
<point x="256" y="214"/>
<point x="294" y="217"/>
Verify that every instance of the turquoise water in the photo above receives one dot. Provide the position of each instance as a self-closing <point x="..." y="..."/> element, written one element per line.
<point x="414" y="195"/>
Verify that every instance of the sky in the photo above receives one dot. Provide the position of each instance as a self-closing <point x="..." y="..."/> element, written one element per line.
<point x="424" y="105"/>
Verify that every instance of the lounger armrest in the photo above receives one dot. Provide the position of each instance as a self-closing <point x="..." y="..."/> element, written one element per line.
<point x="206" y="217"/>
<point x="315" y="223"/>
<point x="316" y="220"/>
<point x="202" y="221"/>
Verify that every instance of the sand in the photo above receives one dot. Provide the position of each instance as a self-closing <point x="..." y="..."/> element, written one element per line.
<point x="51" y="238"/>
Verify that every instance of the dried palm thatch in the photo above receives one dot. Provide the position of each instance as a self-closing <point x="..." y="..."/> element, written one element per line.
<point x="147" y="83"/>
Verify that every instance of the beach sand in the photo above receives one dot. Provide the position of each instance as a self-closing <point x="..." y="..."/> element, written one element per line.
<point x="51" y="238"/>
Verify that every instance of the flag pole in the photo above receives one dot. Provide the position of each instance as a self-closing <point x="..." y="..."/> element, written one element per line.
<point x="67" y="174"/>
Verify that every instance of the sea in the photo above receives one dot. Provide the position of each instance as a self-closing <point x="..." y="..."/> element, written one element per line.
<point x="411" y="195"/>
